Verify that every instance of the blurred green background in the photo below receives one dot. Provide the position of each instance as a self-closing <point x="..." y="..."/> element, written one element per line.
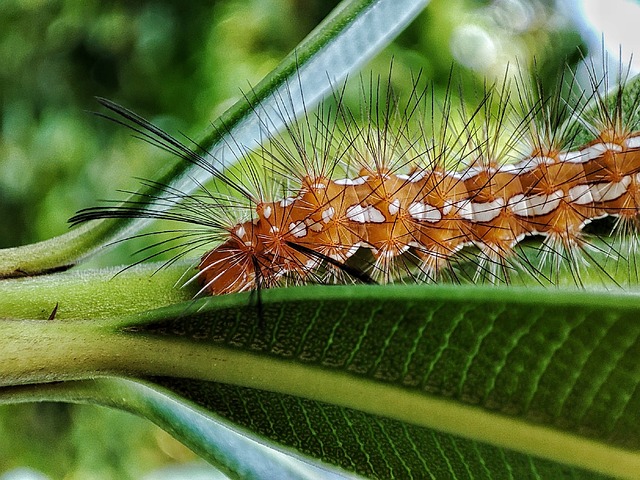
<point x="180" y="64"/>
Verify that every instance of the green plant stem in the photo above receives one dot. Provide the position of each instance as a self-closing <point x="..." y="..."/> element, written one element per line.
<point x="95" y="294"/>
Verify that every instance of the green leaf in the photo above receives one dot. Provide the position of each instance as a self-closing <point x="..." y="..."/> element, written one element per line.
<point x="350" y="35"/>
<point x="550" y="374"/>
<point x="240" y="453"/>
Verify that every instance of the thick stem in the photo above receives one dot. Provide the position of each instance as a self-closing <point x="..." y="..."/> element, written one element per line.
<point x="107" y="293"/>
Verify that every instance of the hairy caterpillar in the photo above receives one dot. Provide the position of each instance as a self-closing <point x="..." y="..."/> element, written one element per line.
<point x="411" y="190"/>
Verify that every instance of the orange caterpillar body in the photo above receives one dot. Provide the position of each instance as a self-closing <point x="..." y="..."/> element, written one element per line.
<point x="407" y="191"/>
<point x="431" y="211"/>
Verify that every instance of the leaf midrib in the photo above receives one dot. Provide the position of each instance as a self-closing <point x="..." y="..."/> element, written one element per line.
<point x="141" y="355"/>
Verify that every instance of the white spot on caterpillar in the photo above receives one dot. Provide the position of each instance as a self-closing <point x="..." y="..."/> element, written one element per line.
<point x="614" y="147"/>
<point x="633" y="142"/>
<point x="571" y="157"/>
<point x="532" y="162"/>
<point x="394" y="207"/>
<point x="318" y="186"/>
<point x="417" y="176"/>
<point x="526" y="165"/>
<point x="580" y="194"/>
<point x="464" y="209"/>
<point x="512" y="168"/>
<point x="349" y="181"/>
<point x="518" y="205"/>
<point x="590" y="153"/>
<point x="546" y="203"/>
<point x="425" y="212"/>
<point x="274" y="229"/>
<point x="375" y="215"/>
<point x="267" y="211"/>
<point x="285" y="202"/>
<point x="357" y="214"/>
<point x="605" y="192"/>
<point x="402" y="176"/>
<point x="360" y="214"/>
<point x="447" y="207"/>
<point x="535" y="205"/>
<point x="241" y="232"/>
<point x="473" y="171"/>
<point x="328" y="214"/>
<point x="594" y="151"/>
<point x="543" y="159"/>
<point x="486" y="211"/>
<point x="298" y="229"/>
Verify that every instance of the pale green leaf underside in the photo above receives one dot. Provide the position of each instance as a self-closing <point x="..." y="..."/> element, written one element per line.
<point x="237" y="452"/>
<point x="376" y="446"/>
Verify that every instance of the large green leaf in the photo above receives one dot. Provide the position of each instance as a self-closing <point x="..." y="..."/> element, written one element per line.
<point x="350" y="35"/>
<point x="365" y="377"/>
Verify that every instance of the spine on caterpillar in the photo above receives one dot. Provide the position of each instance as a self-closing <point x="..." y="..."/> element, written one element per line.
<point x="433" y="211"/>
<point x="411" y="194"/>
<point x="482" y="194"/>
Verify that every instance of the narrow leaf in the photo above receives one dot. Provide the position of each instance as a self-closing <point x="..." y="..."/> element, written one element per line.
<point x="237" y="452"/>
<point x="351" y="35"/>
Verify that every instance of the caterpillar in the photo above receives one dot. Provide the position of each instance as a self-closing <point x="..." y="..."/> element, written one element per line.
<point x="410" y="191"/>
